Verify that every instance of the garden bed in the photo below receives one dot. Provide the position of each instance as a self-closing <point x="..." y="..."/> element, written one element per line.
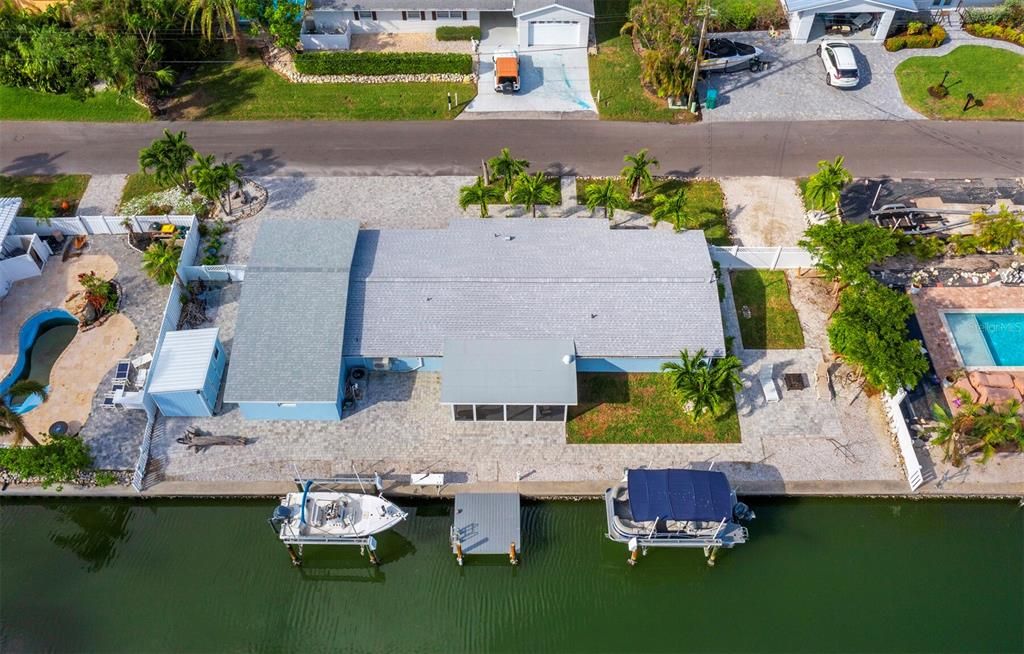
<point x="634" y="408"/>
<point x="51" y="190"/>
<point x="766" y="315"/>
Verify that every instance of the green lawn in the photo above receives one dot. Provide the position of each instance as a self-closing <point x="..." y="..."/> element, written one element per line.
<point x="615" y="72"/>
<point x="54" y="189"/>
<point x="773" y="323"/>
<point x="641" y="408"/>
<point x="995" y="77"/>
<point x="25" y="104"/>
<point x="704" y="198"/>
<point x="248" y="90"/>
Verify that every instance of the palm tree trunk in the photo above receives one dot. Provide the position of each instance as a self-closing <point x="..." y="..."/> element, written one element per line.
<point x="240" y="42"/>
<point x="533" y="210"/>
<point x="27" y="436"/>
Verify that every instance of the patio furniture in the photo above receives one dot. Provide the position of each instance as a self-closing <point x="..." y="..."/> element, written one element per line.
<point x="765" y="376"/>
<point x="794" y="381"/>
<point x="822" y="382"/>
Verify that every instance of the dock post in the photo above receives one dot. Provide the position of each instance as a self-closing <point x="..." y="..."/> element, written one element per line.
<point x="371" y="546"/>
<point x="512" y="554"/>
<point x="634" y="550"/>
<point x="458" y="552"/>
<point x="711" y="556"/>
<point x="296" y="559"/>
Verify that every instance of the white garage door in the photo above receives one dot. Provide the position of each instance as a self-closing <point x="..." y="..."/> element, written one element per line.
<point x="554" y="32"/>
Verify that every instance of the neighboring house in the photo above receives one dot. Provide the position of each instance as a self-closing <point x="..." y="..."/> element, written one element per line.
<point x="539" y="23"/>
<point x="21" y="255"/>
<point x="507" y="310"/>
<point x="863" y="20"/>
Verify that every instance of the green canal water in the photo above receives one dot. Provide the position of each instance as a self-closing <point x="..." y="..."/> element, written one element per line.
<point x="817" y="576"/>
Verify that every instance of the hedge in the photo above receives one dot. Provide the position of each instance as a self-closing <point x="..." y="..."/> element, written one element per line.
<point x="996" y="32"/>
<point x="383" y="63"/>
<point x="933" y="38"/>
<point x="452" y="33"/>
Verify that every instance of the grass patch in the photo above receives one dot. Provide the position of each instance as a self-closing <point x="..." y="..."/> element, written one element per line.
<point x="53" y="189"/>
<point x="739" y="15"/>
<point x="705" y="203"/>
<point x="995" y="77"/>
<point x="140" y="184"/>
<point x="248" y="90"/>
<point x="773" y="323"/>
<point x="615" y="72"/>
<point x="26" y="104"/>
<point x="641" y="408"/>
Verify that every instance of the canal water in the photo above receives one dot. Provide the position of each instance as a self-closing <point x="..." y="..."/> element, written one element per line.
<point x="817" y="576"/>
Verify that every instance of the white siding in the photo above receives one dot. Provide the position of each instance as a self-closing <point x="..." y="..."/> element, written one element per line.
<point x="391" y="21"/>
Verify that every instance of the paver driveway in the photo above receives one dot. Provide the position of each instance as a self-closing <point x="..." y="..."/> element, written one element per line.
<point x="793" y="86"/>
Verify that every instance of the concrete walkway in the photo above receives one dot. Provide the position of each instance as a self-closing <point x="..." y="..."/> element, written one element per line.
<point x="102" y="195"/>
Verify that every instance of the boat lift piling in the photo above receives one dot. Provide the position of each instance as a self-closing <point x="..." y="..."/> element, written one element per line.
<point x="483" y="523"/>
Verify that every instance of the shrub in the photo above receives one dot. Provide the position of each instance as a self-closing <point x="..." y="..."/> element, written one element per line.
<point x="383" y="63"/>
<point x="915" y="27"/>
<point x="996" y="32"/>
<point x="59" y="461"/>
<point x="453" y="33"/>
<point x="748" y="15"/>
<point x="933" y="38"/>
<point x="105" y="478"/>
<point x="924" y="247"/>
<point x="895" y="43"/>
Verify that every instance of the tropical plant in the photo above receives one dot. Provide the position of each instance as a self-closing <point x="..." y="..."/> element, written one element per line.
<point x="11" y="422"/>
<point x="230" y="173"/>
<point x="705" y="385"/>
<point x="976" y="428"/>
<point x="278" y="18"/>
<point x="216" y="13"/>
<point x="665" y="30"/>
<point x="160" y="261"/>
<point x="825" y="187"/>
<point x="607" y="196"/>
<point x="670" y="208"/>
<point x="507" y="168"/>
<point x="531" y="190"/>
<point x="870" y="332"/>
<point x="61" y="460"/>
<point x="43" y="212"/>
<point x="479" y="194"/>
<point x="211" y="181"/>
<point x="100" y="293"/>
<point x="844" y="251"/>
<point x="638" y="173"/>
<point x="168" y="158"/>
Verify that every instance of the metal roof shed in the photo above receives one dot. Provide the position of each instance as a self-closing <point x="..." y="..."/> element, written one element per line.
<point x="187" y="371"/>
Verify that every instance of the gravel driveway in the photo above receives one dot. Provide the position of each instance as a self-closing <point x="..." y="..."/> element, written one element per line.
<point x="793" y="86"/>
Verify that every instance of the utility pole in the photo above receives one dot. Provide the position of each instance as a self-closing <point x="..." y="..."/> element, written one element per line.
<point x="700" y="53"/>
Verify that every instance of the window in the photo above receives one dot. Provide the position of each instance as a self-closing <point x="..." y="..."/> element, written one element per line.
<point x="551" y="413"/>
<point x="364" y="15"/>
<point x="441" y="14"/>
<point x="464" y="412"/>
<point x="412" y="15"/>
<point x="216" y="354"/>
<point x="520" y="412"/>
<point x="490" y="412"/>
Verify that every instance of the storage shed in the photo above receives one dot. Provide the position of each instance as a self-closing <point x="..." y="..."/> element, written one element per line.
<point x="187" y="372"/>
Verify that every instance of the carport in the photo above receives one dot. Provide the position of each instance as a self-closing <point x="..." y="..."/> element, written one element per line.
<point x="867" y="20"/>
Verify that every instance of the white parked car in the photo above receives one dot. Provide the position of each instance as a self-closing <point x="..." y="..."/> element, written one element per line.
<point x="840" y="64"/>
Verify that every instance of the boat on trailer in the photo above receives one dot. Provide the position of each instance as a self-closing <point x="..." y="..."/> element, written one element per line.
<point x="319" y="513"/>
<point x="675" y="508"/>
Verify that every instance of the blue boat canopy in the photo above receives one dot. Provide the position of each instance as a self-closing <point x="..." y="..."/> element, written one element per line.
<point x="679" y="495"/>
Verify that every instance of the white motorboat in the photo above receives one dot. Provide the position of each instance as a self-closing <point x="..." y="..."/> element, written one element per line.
<point x="317" y="515"/>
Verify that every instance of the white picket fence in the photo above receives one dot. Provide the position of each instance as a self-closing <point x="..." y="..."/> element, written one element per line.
<point x="763" y="258"/>
<point x="79" y="225"/>
<point x="139" y="477"/>
<point x="911" y="465"/>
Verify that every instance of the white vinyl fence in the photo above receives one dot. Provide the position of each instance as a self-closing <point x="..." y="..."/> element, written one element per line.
<point x="77" y="225"/>
<point x="891" y="403"/>
<point x="221" y="273"/>
<point x="152" y="427"/>
<point x="764" y="258"/>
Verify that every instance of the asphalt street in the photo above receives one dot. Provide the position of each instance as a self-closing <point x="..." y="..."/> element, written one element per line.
<point x="919" y="149"/>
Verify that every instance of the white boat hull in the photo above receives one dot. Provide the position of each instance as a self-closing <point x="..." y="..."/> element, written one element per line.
<point x="326" y="517"/>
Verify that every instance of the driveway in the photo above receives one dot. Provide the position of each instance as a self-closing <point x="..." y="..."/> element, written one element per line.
<point x="793" y="86"/>
<point x="552" y="82"/>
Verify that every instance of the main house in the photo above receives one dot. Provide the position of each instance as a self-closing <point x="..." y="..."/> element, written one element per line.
<point x="507" y="311"/>
<point x="865" y="20"/>
<point x="539" y="23"/>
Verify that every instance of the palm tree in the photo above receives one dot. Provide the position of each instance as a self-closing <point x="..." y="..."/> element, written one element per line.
<point x="478" y="193"/>
<point x="671" y="208"/>
<point x="825" y="187"/>
<point x="160" y="261"/>
<point x="704" y="385"/>
<point x="168" y="158"/>
<point x="531" y="190"/>
<point x="210" y="180"/>
<point x="216" y="12"/>
<point x="638" y="172"/>
<point x="507" y="168"/>
<point x="231" y="173"/>
<point x="606" y="195"/>
<point x="13" y="422"/>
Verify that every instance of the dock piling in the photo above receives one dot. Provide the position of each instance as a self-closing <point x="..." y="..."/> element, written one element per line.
<point x="296" y="558"/>
<point x="634" y="549"/>
<point x="512" y="554"/>
<point x="458" y="552"/>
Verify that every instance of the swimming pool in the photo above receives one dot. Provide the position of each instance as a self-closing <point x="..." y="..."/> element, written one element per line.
<point x="40" y="342"/>
<point x="988" y="338"/>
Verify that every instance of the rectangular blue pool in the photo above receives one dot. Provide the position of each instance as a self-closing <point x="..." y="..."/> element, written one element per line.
<point x="988" y="339"/>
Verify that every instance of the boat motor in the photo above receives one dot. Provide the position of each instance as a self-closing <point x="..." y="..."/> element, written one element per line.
<point x="741" y="512"/>
<point x="282" y="514"/>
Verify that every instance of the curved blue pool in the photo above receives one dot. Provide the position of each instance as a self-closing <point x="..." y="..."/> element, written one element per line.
<point x="40" y="342"/>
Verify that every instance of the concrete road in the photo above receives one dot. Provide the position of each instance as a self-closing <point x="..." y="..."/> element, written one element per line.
<point x="872" y="148"/>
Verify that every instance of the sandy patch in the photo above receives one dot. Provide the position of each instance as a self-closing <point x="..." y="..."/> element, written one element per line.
<point x="407" y="43"/>
<point x="764" y="211"/>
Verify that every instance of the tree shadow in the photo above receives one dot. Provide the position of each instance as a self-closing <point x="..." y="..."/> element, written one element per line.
<point x="284" y="193"/>
<point x="39" y="163"/>
<point x="599" y="388"/>
<point x="98" y="528"/>
<point x="216" y="91"/>
<point x="260" y="162"/>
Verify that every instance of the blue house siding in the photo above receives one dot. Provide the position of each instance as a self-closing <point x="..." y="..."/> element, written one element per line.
<point x="286" y="411"/>
<point x="620" y="364"/>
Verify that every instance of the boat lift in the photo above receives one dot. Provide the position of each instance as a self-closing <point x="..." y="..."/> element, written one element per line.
<point x="295" y="543"/>
<point x="484" y="523"/>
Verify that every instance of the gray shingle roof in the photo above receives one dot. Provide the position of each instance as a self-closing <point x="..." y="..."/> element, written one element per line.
<point x="630" y="293"/>
<point x="291" y="316"/>
<point x="421" y="5"/>
<point x="585" y="7"/>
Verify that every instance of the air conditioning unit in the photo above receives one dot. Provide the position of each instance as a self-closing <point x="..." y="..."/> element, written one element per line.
<point x="381" y="364"/>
